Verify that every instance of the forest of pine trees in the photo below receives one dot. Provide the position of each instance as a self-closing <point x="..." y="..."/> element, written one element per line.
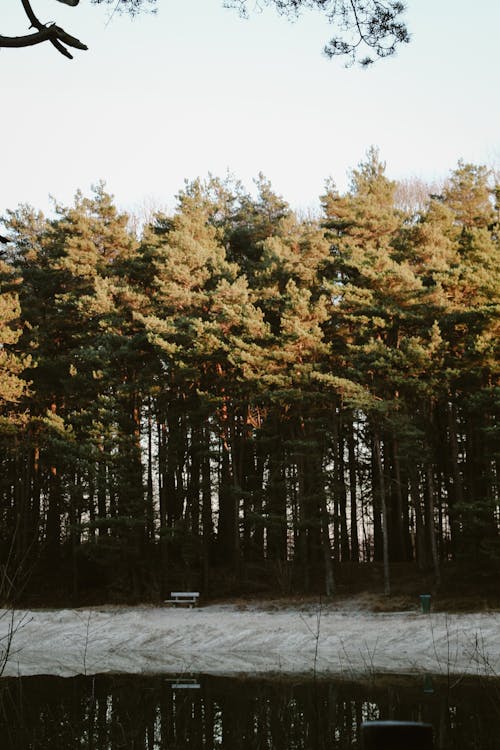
<point x="240" y="400"/>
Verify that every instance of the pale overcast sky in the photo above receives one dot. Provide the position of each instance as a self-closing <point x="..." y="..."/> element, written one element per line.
<point x="195" y="89"/>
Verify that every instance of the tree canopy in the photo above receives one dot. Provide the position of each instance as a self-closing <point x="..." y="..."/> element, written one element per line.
<point x="364" y="29"/>
<point x="239" y="399"/>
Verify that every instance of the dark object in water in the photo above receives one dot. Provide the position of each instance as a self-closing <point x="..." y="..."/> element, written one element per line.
<point x="396" y="735"/>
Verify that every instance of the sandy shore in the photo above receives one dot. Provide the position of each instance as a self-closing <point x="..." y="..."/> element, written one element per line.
<point x="227" y="639"/>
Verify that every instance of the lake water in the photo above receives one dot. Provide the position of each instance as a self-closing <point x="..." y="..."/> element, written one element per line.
<point x="203" y="713"/>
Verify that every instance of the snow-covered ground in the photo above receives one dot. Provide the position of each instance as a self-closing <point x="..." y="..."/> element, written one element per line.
<point x="230" y="639"/>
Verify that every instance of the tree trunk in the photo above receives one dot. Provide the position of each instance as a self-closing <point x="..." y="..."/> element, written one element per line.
<point x="420" y="545"/>
<point x="353" y="492"/>
<point x="383" y="507"/>
<point x="432" y="526"/>
<point x="206" y="510"/>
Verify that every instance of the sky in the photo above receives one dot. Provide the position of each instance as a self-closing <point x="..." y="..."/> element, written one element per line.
<point x="195" y="89"/>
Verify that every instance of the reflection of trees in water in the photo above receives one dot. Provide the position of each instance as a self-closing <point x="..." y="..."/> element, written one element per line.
<point x="147" y="713"/>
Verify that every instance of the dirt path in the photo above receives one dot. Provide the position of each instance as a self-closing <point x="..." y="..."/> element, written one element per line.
<point x="230" y="639"/>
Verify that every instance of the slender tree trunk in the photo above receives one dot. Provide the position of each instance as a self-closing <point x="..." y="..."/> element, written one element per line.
<point x="399" y="528"/>
<point x="193" y="494"/>
<point x="353" y="492"/>
<point x="420" y="545"/>
<point x="206" y="510"/>
<point x="101" y="492"/>
<point x="162" y="475"/>
<point x="149" y="485"/>
<point x="276" y="499"/>
<point x="327" y="549"/>
<point x="53" y="532"/>
<point x="432" y="524"/>
<point x="171" y="452"/>
<point x="378" y="537"/>
<point x="257" y="492"/>
<point x="342" y="493"/>
<point x="431" y="496"/>
<point x="302" y="547"/>
<point x="383" y="506"/>
<point x="456" y="496"/>
<point x="36" y="489"/>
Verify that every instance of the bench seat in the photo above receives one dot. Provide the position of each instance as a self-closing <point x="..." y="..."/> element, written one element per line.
<point x="183" y="597"/>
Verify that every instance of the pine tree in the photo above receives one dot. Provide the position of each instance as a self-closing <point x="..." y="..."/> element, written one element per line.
<point x="12" y="364"/>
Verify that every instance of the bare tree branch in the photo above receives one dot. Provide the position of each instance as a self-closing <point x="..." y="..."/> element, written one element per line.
<point x="57" y="36"/>
<point x="47" y="33"/>
<point x="373" y="25"/>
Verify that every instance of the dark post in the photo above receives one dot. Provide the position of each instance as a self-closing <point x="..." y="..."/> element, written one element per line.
<point x="396" y="735"/>
<point x="425" y="601"/>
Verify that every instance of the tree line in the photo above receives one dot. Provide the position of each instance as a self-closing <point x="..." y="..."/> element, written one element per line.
<point x="237" y="398"/>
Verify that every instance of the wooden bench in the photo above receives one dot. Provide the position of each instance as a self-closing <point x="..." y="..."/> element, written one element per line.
<point x="183" y="597"/>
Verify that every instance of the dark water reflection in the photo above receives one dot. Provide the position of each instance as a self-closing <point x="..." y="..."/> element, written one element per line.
<point x="150" y="712"/>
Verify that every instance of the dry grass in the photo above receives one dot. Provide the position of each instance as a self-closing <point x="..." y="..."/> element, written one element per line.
<point x="368" y="601"/>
